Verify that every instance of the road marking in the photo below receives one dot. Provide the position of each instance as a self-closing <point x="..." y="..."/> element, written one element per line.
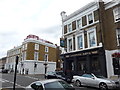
<point x="32" y="78"/>
<point x="12" y="83"/>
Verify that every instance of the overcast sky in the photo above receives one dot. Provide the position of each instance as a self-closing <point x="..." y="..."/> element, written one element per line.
<point x="19" y="18"/>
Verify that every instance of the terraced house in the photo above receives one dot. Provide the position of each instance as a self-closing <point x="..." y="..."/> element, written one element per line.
<point x="34" y="54"/>
<point x="91" y="37"/>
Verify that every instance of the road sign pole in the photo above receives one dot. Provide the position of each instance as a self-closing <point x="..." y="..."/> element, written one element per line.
<point x="15" y="72"/>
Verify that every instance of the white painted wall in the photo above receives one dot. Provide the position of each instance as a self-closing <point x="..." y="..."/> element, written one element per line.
<point x="110" y="70"/>
<point x="40" y="69"/>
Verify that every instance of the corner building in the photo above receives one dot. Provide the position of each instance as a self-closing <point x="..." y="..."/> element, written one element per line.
<point x="91" y="37"/>
<point x="33" y="54"/>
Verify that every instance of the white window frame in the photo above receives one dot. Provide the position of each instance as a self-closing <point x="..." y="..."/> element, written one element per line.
<point x="26" y="46"/>
<point x="69" y="27"/>
<point x="116" y="13"/>
<point x="93" y="29"/>
<point x="24" y="55"/>
<point x="36" y="55"/>
<point x="46" y="49"/>
<point x="76" y="39"/>
<point x="88" y="18"/>
<point x="36" y="46"/>
<point x="68" y="49"/>
<point x="79" y="25"/>
<point x="46" y="57"/>
<point x="118" y="44"/>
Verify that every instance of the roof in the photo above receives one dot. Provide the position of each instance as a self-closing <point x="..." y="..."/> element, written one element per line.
<point x="80" y="10"/>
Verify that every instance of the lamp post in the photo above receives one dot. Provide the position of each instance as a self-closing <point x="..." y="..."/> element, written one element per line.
<point x="45" y="64"/>
<point x="35" y="65"/>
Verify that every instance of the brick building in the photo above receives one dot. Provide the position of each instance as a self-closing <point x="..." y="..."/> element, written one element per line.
<point x="91" y="39"/>
<point x="33" y="54"/>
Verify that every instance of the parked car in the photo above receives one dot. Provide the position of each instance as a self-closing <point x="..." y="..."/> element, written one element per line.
<point x="50" y="84"/>
<point x="55" y="75"/>
<point x="5" y="70"/>
<point x="95" y="81"/>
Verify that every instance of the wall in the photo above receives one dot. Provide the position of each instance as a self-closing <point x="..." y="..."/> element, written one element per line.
<point x="110" y="70"/>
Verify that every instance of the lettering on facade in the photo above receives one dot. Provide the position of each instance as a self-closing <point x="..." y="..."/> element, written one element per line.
<point x="82" y="54"/>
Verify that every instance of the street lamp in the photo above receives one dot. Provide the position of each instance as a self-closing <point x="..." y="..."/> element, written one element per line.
<point x="45" y="64"/>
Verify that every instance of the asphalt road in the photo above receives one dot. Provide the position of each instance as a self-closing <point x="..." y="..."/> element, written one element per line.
<point x="22" y="81"/>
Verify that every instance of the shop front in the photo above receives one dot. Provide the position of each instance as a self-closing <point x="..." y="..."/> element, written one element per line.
<point x="87" y="61"/>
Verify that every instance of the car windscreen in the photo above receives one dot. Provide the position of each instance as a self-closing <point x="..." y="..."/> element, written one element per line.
<point x="100" y="77"/>
<point x="53" y="86"/>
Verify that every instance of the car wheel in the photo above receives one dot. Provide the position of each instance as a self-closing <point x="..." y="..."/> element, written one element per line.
<point x="103" y="86"/>
<point x="78" y="83"/>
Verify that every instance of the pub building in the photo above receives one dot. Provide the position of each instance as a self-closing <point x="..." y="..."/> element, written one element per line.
<point x="90" y="37"/>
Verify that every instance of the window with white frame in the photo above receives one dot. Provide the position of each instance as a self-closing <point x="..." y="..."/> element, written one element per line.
<point x="46" y="49"/>
<point x="80" y="41"/>
<point x="118" y="36"/>
<point x="91" y="34"/>
<point x="24" y="56"/>
<point x="79" y="23"/>
<point x="46" y="57"/>
<point x="90" y="18"/>
<point x="116" y="12"/>
<point x="70" y="45"/>
<point x="36" y="55"/>
<point x="69" y="27"/>
<point x="36" y="46"/>
<point x="25" y="46"/>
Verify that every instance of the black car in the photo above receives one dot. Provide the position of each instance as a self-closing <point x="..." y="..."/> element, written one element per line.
<point x="55" y="75"/>
<point x="5" y="71"/>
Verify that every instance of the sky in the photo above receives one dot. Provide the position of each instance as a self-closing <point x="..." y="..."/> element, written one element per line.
<point x="19" y="18"/>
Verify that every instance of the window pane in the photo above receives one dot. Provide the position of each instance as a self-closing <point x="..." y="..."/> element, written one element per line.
<point x="70" y="44"/>
<point x="79" y="23"/>
<point x="118" y="36"/>
<point x="80" y="42"/>
<point x="92" y="39"/>
<point x="90" y="18"/>
<point x="36" y="46"/>
<point x="69" y="28"/>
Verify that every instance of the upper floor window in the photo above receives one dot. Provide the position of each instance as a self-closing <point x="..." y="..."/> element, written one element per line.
<point x="70" y="45"/>
<point x="80" y="41"/>
<point x="65" y="29"/>
<point x="46" y="49"/>
<point x="79" y="23"/>
<point x="24" y="56"/>
<point x="116" y="12"/>
<point x="118" y="36"/>
<point x="90" y="18"/>
<point x="36" y="55"/>
<point x="69" y="27"/>
<point x="92" y="38"/>
<point x="24" y="47"/>
<point x="36" y="46"/>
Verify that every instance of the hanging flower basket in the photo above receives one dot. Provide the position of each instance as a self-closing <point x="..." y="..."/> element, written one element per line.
<point x="116" y="54"/>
